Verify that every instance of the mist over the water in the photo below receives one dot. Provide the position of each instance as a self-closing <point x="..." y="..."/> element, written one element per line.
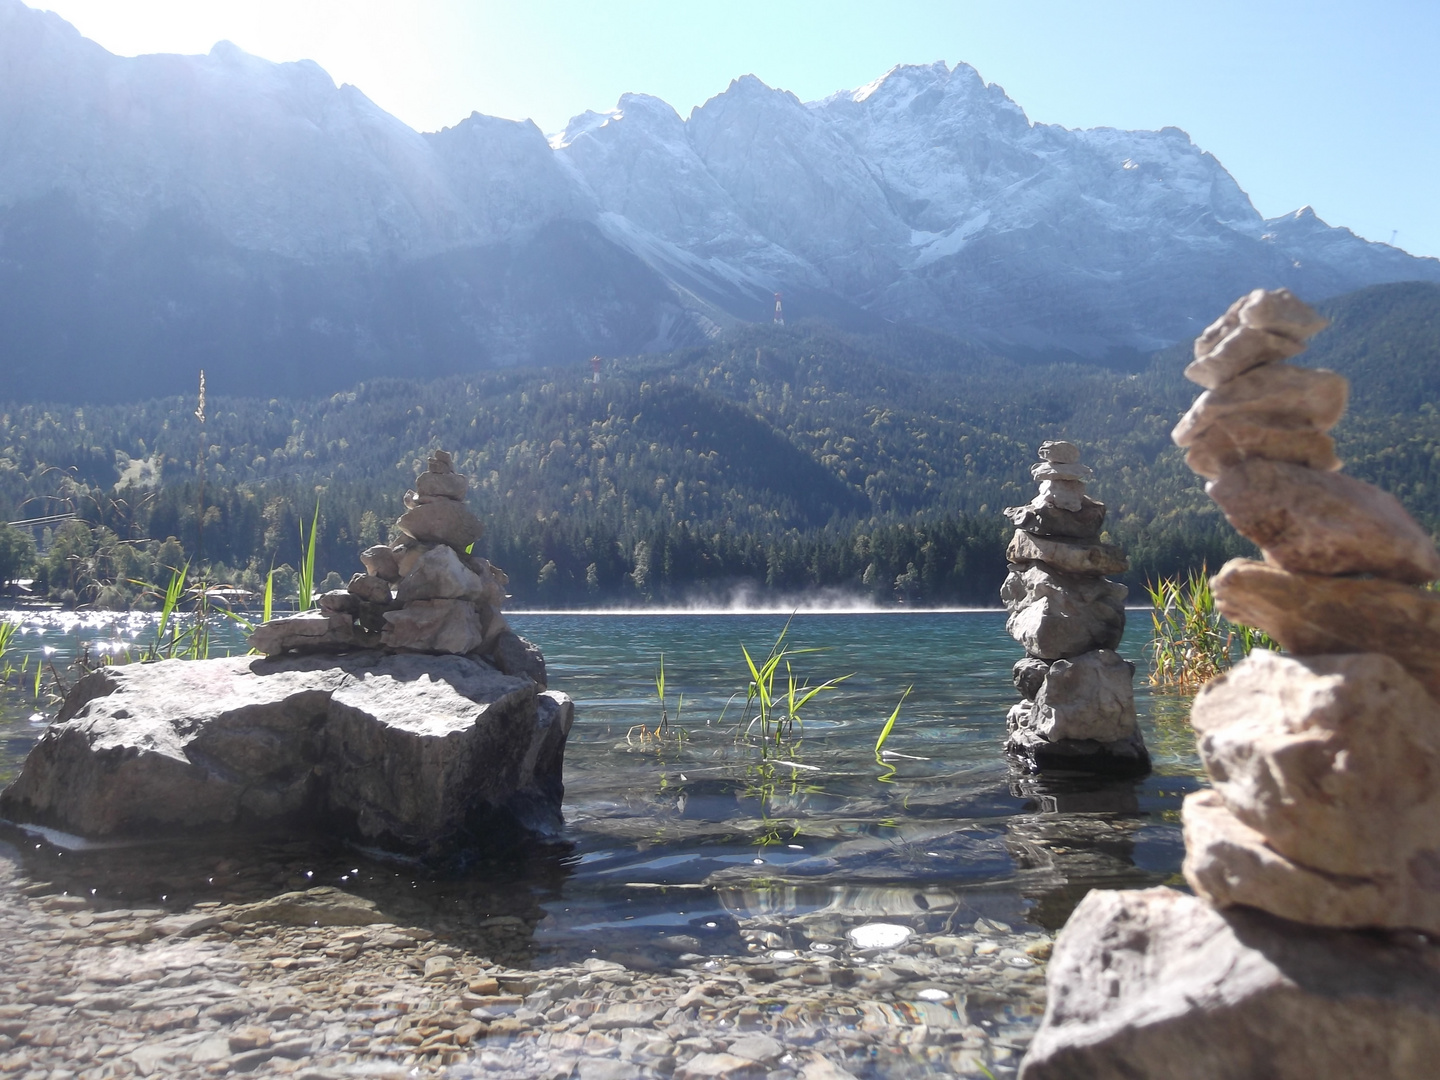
<point x="748" y="599"/>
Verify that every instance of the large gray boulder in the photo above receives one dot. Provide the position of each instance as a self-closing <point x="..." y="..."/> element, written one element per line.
<point x="414" y="753"/>
<point x="1157" y="984"/>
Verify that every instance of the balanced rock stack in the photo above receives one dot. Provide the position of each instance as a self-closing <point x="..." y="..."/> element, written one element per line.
<point x="1079" y="707"/>
<point x="425" y="593"/>
<point x="1324" y="815"/>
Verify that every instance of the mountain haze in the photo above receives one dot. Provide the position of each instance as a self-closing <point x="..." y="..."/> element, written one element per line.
<point x="163" y="213"/>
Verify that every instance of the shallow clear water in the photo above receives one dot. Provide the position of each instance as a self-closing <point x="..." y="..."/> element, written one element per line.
<point x="680" y="840"/>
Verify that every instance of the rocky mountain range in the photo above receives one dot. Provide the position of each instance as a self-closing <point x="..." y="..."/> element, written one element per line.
<point x="163" y="213"/>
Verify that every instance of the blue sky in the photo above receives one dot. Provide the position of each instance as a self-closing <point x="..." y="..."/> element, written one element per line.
<point x="1334" y="104"/>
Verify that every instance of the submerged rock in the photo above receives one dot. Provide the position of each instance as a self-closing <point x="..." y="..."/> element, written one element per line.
<point x="1154" y="983"/>
<point x="410" y="752"/>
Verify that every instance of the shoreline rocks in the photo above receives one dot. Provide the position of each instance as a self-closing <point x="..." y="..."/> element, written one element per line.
<point x="413" y="753"/>
<point x="1078" y="711"/>
<point x="402" y="712"/>
<point x="1154" y="983"/>
<point x="1315" y="856"/>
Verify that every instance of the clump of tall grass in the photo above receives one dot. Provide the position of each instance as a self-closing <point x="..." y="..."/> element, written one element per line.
<point x="777" y="713"/>
<point x="1192" y="642"/>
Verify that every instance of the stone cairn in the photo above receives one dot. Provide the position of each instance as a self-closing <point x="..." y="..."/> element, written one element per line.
<point x="1079" y="707"/>
<point x="1325" y="766"/>
<point x="424" y="593"/>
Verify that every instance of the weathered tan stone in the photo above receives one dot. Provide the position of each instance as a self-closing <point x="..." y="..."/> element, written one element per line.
<point x="439" y="575"/>
<point x="1089" y="696"/>
<point x="1275" y="395"/>
<point x="1055" y="615"/>
<point x="442" y="522"/>
<point x="1240" y="350"/>
<point x="370" y="588"/>
<point x="441" y="462"/>
<point x="338" y="602"/>
<point x="1059" y="451"/>
<point x="1312" y="615"/>
<point x="1044" y="519"/>
<point x="1218" y="330"/>
<point x="1066" y="494"/>
<point x="380" y="561"/>
<point x="434" y="626"/>
<point x="1158" y="985"/>
<point x="1334" y="759"/>
<point x="1229" y="863"/>
<point x="449" y="485"/>
<point x="1054" y="470"/>
<point x="1282" y="312"/>
<point x="1230" y="442"/>
<point x="1324" y="523"/>
<point x="310" y="631"/>
<point x="1065" y="557"/>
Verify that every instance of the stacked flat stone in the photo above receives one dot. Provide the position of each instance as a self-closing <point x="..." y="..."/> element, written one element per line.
<point x="1078" y="711"/>
<point x="425" y="593"/>
<point x="1324" y="813"/>
<point x="1325" y="764"/>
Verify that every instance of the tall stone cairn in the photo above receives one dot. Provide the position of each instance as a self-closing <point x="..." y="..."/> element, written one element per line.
<point x="1323" y="818"/>
<point x="424" y="593"/>
<point x="1078" y="711"/>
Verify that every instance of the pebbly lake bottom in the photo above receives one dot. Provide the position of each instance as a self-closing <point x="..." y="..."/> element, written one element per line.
<point x="770" y="874"/>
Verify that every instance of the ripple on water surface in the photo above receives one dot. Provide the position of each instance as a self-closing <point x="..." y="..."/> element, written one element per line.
<point x="700" y="842"/>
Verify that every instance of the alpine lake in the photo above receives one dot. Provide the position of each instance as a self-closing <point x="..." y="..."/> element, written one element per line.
<point x="699" y="843"/>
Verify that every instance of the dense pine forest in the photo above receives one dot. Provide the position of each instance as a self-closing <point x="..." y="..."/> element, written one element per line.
<point x="778" y="460"/>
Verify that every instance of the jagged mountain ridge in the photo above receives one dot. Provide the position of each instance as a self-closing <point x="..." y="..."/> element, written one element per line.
<point x="159" y="213"/>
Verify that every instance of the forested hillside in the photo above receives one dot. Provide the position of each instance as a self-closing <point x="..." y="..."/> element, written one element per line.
<point x="786" y="458"/>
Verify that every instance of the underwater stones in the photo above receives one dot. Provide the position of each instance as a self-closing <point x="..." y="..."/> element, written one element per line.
<point x="1064" y="556"/>
<point x="1335" y="759"/>
<point x="1079" y="710"/>
<point x="1154" y="983"/>
<point x="434" y="626"/>
<point x="1087" y="697"/>
<point x="1056" y="615"/>
<point x="1312" y="522"/>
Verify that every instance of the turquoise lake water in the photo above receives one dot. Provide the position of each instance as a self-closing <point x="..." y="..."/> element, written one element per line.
<point x="694" y="830"/>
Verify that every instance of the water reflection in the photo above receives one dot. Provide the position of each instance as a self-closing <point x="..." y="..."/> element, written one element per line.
<point x="673" y="849"/>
